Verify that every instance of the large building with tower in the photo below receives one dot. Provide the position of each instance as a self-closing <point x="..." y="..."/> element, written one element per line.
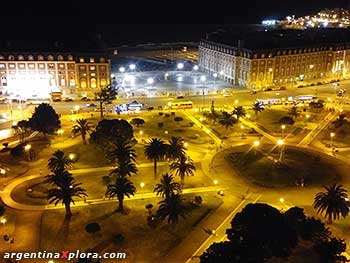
<point x="40" y="75"/>
<point x="261" y="59"/>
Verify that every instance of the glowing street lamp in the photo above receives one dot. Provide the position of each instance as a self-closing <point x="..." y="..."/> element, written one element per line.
<point x="186" y="144"/>
<point x="3" y="222"/>
<point x="215" y="182"/>
<point x="195" y="67"/>
<point x="132" y="66"/>
<point x="283" y="127"/>
<point x="150" y="81"/>
<point x="140" y="132"/>
<point x="3" y="172"/>
<point x="256" y="144"/>
<point x="282" y="200"/>
<point x="76" y="108"/>
<point x="281" y="146"/>
<point x="203" y="78"/>
<point x="180" y="66"/>
<point x="71" y="156"/>
<point x="221" y="72"/>
<point x="142" y="185"/>
<point x="60" y="131"/>
<point x="121" y="69"/>
<point x="27" y="147"/>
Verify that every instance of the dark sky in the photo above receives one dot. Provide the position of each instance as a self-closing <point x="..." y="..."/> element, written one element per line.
<point x="121" y="21"/>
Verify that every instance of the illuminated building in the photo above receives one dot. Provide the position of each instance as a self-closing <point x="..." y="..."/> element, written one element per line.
<point x="39" y="75"/>
<point x="261" y="59"/>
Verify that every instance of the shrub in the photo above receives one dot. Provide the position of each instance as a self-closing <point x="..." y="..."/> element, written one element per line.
<point x="17" y="151"/>
<point x="137" y="122"/>
<point x="173" y="113"/>
<point x="2" y="210"/>
<point x="198" y="200"/>
<point x="5" y="144"/>
<point x="178" y="119"/>
<point x="167" y="115"/>
<point x="160" y="113"/>
<point x="160" y="124"/>
<point x="286" y="120"/>
<point x="92" y="228"/>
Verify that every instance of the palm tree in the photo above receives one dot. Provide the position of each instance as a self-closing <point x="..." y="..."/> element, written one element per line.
<point x="58" y="177"/>
<point x="226" y="120"/>
<point x="121" y="151"/>
<point x="64" y="192"/>
<point x="122" y="187"/>
<point x="183" y="167"/>
<point x="257" y="107"/>
<point x="340" y="121"/>
<point x="176" y="148"/>
<point x="155" y="150"/>
<point x="167" y="186"/>
<point x="171" y="208"/>
<point x="239" y="112"/>
<point x="124" y="168"/>
<point x="82" y="127"/>
<point x="333" y="202"/>
<point x="59" y="161"/>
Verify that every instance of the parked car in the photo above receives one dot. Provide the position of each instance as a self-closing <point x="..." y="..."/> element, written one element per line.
<point x="268" y="89"/>
<point x="85" y="99"/>
<point x="180" y="97"/>
<point x="91" y="105"/>
<point x="283" y="88"/>
<point x="252" y="92"/>
<point x="67" y="99"/>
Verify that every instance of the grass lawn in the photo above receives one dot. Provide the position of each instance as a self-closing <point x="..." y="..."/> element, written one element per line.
<point x="142" y="243"/>
<point x="261" y="169"/>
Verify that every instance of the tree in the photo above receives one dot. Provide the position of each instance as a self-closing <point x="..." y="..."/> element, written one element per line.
<point x="333" y="202"/>
<point x="45" y="119"/>
<point x="124" y="168"/>
<point x="82" y="128"/>
<point x="167" y="186"/>
<point x="2" y="210"/>
<point x="226" y="120"/>
<point x="286" y="120"/>
<point x="155" y="150"/>
<point x="23" y="128"/>
<point x="122" y="187"/>
<point x="171" y="208"/>
<point x="176" y="148"/>
<point x="121" y="151"/>
<point x="64" y="192"/>
<point x="239" y="112"/>
<point x="330" y="250"/>
<point x="213" y="116"/>
<point x="223" y="252"/>
<point x="110" y="132"/>
<point x="183" y="167"/>
<point x="340" y="121"/>
<point x="59" y="161"/>
<point x="137" y="122"/>
<point x="293" y="111"/>
<point x="257" y="107"/>
<point x="263" y="231"/>
<point x="105" y="95"/>
<point x="316" y="104"/>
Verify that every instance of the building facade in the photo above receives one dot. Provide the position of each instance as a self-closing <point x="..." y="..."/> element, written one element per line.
<point x="41" y="74"/>
<point x="262" y="68"/>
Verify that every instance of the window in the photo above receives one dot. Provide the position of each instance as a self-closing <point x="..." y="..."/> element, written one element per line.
<point x="102" y="60"/>
<point x="41" y="65"/>
<point x="11" y="65"/>
<point x="3" y="81"/>
<point x="81" y="60"/>
<point x="40" y="57"/>
<point x="92" y="60"/>
<point x="21" y="66"/>
<point x="83" y="83"/>
<point x="2" y="57"/>
<point x="30" y="57"/>
<point x="61" y="66"/>
<point x="103" y="82"/>
<point x="92" y="68"/>
<point x="11" y="58"/>
<point x="93" y="74"/>
<point x="70" y="57"/>
<point x="63" y="81"/>
<point x="50" y="57"/>
<point x="20" y="57"/>
<point x="93" y="82"/>
<point x="71" y="82"/>
<point x="60" y="57"/>
<point x="82" y="68"/>
<point x="2" y="65"/>
<point x="51" y="66"/>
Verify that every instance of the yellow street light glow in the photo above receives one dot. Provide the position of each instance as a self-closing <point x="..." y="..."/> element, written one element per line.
<point x="215" y="182"/>
<point x="76" y="107"/>
<point x="3" y="220"/>
<point x="140" y="132"/>
<point x="282" y="200"/>
<point x="236" y="101"/>
<point x="185" y="144"/>
<point x="256" y="143"/>
<point x="60" y="131"/>
<point x="328" y="99"/>
<point x="50" y="261"/>
<point x="142" y="184"/>
<point x="283" y="126"/>
<point x="307" y="116"/>
<point x="166" y="132"/>
<point x="71" y="156"/>
<point x="2" y="171"/>
<point x="242" y="127"/>
<point x="208" y="131"/>
<point x="248" y="116"/>
<point x="341" y="110"/>
<point x="27" y="147"/>
<point x="280" y="142"/>
<point x="14" y="123"/>
<point x="332" y="134"/>
<point x="200" y="119"/>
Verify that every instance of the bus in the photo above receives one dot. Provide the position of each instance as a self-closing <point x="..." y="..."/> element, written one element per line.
<point x="180" y="105"/>
<point x="269" y="101"/>
<point x="305" y="98"/>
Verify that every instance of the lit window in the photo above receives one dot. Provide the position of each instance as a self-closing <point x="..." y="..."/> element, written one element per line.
<point x="93" y="83"/>
<point x="82" y="68"/>
<point x="103" y="82"/>
<point x="81" y="60"/>
<point x="63" y="81"/>
<point x="3" y="81"/>
<point x="83" y="83"/>
<point x="12" y="66"/>
<point x="61" y="65"/>
<point x="2" y="57"/>
<point x="51" y="66"/>
<point x="71" y="82"/>
<point x="40" y="57"/>
<point x="50" y="57"/>
<point x="21" y="66"/>
<point x="41" y="65"/>
<point x="92" y="68"/>
<point x="2" y="65"/>
<point x="92" y="74"/>
<point x="92" y="60"/>
<point x="30" y="57"/>
<point x="70" y="57"/>
<point x="11" y="58"/>
<point x="60" y="58"/>
<point x="102" y="60"/>
<point x="20" y="57"/>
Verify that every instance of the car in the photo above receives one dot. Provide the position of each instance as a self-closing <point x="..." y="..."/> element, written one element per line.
<point x="336" y="84"/>
<point x="91" y="105"/>
<point x="252" y="92"/>
<point x="268" y="89"/>
<point x="85" y="99"/>
<point x="67" y="99"/>
<point x="56" y="100"/>
<point x="180" y="97"/>
<point x="283" y="88"/>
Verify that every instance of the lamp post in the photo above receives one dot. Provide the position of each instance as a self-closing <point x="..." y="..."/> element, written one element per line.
<point x="281" y="147"/>
<point x="3" y="222"/>
<point x="27" y="149"/>
<point x="332" y="135"/>
<point x="195" y="67"/>
<point x="256" y="144"/>
<point x="203" y="80"/>
<point x="180" y="66"/>
<point x="282" y="128"/>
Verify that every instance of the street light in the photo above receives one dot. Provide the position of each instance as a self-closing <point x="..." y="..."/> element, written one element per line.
<point x="150" y="81"/>
<point x="142" y="185"/>
<point x="256" y="144"/>
<point x="71" y="156"/>
<point x="195" y="68"/>
<point x="282" y="200"/>
<point x="185" y="144"/>
<point x="215" y="182"/>
<point x="60" y="131"/>
<point x="132" y="66"/>
<point x="3" y="222"/>
<point x="140" y="132"/>
<point x="2" y="172"/>
<point x="76" y="108"/>
<point x="121" y="69"/>
<point x="180" y="66"/>
<point x="281" y="146"/>
<point x="221" y="72"/>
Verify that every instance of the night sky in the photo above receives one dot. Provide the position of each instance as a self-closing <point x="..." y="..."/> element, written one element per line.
<point x="129" y="22"/>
